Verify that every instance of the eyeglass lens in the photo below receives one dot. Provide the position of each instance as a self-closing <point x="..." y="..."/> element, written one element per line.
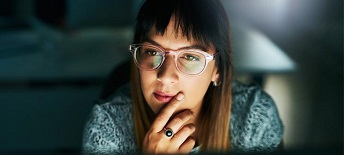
<point x="188" y="61"/>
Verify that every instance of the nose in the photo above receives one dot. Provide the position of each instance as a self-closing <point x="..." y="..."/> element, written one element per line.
<point x="168" y="73"/>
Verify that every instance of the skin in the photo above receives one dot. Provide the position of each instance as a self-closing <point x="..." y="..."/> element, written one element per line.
<point x="187" y="92"/>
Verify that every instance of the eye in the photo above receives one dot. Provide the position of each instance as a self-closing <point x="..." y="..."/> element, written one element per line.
<point x="151" y="52"/>
<point x="191" y="57"/>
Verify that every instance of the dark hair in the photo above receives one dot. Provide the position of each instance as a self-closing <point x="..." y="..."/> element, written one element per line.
<point x="206" y="22"/>
<point x="203" y="20"/>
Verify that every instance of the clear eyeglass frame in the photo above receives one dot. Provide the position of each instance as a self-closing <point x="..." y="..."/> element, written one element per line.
<point x="208" y="57"/>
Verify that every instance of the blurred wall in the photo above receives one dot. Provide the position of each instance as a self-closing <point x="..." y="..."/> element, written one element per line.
<point x="310" y="99"/>
<point x="53" y="65"/>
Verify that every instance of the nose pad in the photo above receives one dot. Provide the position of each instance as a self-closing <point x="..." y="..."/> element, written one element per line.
<point x="168" y="73"/>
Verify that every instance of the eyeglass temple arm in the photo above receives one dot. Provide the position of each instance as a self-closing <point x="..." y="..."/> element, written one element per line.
<point x="213" y="56"/>
<point x="132" y="48"/>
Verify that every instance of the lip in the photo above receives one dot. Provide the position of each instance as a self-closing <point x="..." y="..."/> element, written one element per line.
<point x="163" y="97"/>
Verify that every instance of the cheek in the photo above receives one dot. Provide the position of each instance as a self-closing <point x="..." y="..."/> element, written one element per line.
<point x="148" y="82"/>
<point x="198" y="86"/>
<point x="147" y="79"/>
<point x="195" y="89"/>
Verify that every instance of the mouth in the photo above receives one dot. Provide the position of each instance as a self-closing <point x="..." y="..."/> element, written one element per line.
<point x="163" y="97"/>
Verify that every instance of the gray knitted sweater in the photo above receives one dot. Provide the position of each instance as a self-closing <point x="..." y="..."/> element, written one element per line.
<point x="255" y="124"/>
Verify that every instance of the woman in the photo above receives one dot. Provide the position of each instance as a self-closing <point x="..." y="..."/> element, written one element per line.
<point x="181" y="98"/>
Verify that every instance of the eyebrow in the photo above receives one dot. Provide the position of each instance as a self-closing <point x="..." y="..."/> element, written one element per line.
<point x="194" y="46"/>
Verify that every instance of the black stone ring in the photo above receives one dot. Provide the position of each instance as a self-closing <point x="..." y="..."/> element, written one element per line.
<point x="168" y="132"/>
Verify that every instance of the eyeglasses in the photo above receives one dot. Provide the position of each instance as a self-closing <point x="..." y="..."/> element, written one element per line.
<point x="187" y="61"/>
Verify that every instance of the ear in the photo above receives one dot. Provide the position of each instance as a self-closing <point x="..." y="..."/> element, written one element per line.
<point x="215" y="75"/>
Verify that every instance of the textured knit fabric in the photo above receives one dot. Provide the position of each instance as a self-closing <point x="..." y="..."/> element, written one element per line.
<point x="255" y="124"/>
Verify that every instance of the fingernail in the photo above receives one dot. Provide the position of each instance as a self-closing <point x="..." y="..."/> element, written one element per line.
<point x="180" y="96"/>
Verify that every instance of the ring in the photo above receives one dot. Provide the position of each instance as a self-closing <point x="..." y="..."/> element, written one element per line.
<point x="168" y="132"/>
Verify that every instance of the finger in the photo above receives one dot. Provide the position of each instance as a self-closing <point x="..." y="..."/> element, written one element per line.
<point x="165" y="113"/>
<point x="187" y="146"/>
<point x="179" y="138"/>
<point x="179" y="120"/>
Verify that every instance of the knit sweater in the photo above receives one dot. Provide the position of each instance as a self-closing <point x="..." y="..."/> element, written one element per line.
<point x="255" y="125"/>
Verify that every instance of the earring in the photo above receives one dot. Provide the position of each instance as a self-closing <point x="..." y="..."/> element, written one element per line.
<point x="216" y="83"/>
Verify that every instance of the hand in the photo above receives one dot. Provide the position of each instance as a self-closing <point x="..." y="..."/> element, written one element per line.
<point x="181" y="142"/>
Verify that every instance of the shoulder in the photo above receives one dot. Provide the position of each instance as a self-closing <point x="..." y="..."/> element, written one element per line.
<point x="109" y="128"/>
<point x="255" y="122"/>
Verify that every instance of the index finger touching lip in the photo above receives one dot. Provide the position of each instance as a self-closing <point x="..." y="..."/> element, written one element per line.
<point x="166" y="112"/>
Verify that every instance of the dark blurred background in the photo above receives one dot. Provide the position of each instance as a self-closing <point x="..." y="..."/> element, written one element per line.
<point x="56" y="55"/>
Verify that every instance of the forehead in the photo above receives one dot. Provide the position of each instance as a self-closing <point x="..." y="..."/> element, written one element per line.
<point x="173" y="38"/>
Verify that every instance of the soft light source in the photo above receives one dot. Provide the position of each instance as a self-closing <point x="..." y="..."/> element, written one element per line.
<point x="253" y="52"/>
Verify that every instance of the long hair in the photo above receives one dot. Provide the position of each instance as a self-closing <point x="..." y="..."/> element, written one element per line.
<point x="206" y="22"/>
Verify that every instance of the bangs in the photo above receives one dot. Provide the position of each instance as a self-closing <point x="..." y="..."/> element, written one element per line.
<point x="194" y="19"/>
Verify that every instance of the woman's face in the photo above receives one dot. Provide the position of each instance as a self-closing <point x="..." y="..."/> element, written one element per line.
<point x="161" y="85"/>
